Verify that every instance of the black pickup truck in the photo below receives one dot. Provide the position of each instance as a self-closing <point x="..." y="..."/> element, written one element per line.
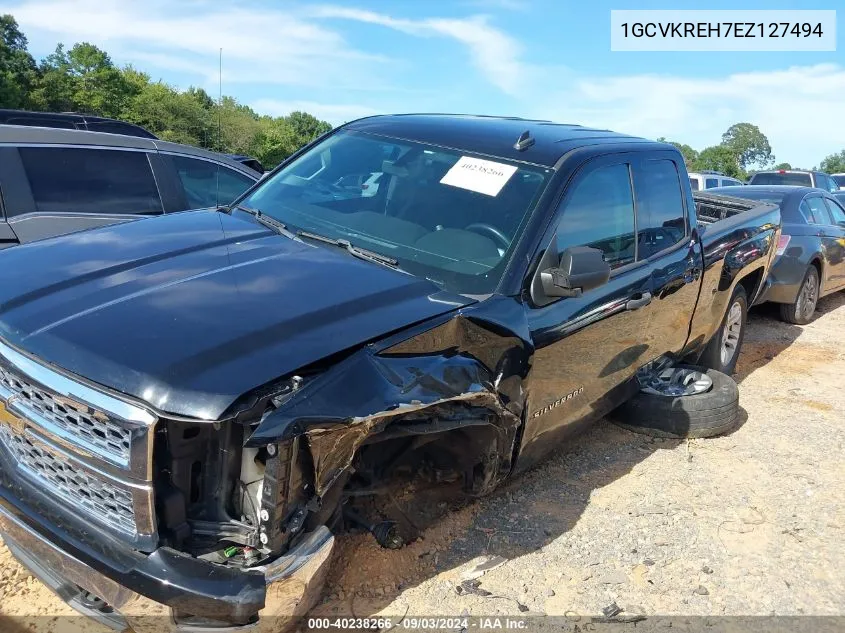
<point x="188" y="401"/>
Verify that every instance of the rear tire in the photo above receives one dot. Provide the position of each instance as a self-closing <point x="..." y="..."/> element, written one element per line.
<point x="701" y="415"/>
<point x="800" y="311"/>
<point x="722" y="352"/>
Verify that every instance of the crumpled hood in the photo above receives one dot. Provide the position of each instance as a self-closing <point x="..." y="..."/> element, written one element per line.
<point x="189" y="311"/>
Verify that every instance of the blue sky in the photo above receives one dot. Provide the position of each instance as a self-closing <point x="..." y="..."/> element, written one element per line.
<point x="543" y="58"/>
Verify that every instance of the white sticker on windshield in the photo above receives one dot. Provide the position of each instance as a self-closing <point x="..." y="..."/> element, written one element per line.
<point x="475" y="174"/>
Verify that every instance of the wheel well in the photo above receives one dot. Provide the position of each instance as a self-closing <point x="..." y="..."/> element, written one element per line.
<point x="751" y="283"/>
<point x="816" y="261"/>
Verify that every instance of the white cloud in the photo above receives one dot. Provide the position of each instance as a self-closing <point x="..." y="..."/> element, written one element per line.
<point x="336" y="114"/>
<point x="798" y="108"/>
<point x="494" y="53"/>
<point x="259" y="45"/>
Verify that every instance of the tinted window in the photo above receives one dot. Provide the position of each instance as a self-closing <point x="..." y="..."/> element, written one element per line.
<point x="839" y="180"/>
<point x="836" y="211"/>
<point x="775" y="197"/>
<point x="90" y="180"/>
<point x="600" y="213"/>
<point x="786" y="178"/>
<point x="710" y="183"/>
<point x="818" y="213"/>
<point x="693" y="183"/>
<point x="660" y="206"/>
<point x="208" y="184"/>
<point x="827" y="183"/>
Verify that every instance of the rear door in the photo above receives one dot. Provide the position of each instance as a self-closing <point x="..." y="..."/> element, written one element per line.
<point x="588" y="348"/>
<point x="666" y="242"/>
<point x="821" y="223"/>
<point x="63" y="189"/>
<point x="836" y="248"/>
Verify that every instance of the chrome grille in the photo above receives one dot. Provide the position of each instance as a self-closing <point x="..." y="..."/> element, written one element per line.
<point x="78" y="421"/>
<point x="103" y="501"/>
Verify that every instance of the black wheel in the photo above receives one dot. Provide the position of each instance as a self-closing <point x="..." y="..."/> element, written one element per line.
<point x="722" y="352"/>
<point x="802" y="309"/>
<point x="709" y="406"/>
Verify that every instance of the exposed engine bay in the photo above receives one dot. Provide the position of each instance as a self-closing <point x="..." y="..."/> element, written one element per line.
<point x="239" y="492"/>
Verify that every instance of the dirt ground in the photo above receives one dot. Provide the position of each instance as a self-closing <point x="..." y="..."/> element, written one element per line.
<point x="751" y="523"/>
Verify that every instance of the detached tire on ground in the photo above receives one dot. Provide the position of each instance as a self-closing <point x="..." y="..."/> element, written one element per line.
<point x="706" y="414"/>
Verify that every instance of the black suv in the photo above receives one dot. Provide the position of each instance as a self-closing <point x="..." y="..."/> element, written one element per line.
<point x="55" y="181"/>
<point x="73" y="121"/>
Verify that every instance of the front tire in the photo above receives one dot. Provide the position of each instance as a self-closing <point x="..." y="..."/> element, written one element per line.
<point x="722" y="352"/>
<point x="802" y="309"/>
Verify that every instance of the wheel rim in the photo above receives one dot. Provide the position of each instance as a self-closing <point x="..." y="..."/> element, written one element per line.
<point x="675" y="381"/>
<point x="731" y="333"/>
<point x="808" y="297"/>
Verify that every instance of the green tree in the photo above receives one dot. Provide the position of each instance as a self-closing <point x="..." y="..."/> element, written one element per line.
<point x="18" y="71"/>
<point x="834" y="164"/>
<point x="719" y="158"/>
<point x="276" y="142"/>
<point x="306" y="127"/>
<point x="748" y="144"/>
<point x="782" y="166"/>
<point x="171" y="115"/>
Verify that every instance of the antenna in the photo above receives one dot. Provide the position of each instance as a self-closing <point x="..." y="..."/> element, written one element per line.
<point x="220" y="102"/>
<point x="219" y="123"/>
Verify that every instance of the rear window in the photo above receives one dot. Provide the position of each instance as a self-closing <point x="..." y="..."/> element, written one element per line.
<point x="77" y="180"/>
<point x="773" y="197"/>
<point x="787" y="178"/>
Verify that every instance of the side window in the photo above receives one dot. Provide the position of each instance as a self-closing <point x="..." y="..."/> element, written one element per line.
<point x="818" y="210"/>
<point x="81" y="180"/>
<point x="660" y="207"/>
<point x="600" y="213"/>
<point x="711" y="182"/>
<point x="693" y="183"/>
<point x="208" y="184"/>
<point x="837" y="213"/>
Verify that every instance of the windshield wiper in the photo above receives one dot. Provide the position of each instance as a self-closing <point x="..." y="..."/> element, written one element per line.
<point x="267" y="220"/>
<point x="357" y="251"/>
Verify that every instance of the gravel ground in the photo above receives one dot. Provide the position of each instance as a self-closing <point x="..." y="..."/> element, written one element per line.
<point x="750" y="523"/>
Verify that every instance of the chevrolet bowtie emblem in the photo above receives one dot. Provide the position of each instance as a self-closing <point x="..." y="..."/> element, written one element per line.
<point x="8" y="418"/>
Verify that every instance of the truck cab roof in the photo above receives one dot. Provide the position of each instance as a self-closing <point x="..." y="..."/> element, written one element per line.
<point x="546" y="142"/>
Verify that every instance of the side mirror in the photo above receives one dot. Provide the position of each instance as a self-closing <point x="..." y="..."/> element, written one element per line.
<point x="581" y="268"/>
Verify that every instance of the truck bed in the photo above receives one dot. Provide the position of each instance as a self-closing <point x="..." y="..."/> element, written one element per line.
<point x="711" y="207"/>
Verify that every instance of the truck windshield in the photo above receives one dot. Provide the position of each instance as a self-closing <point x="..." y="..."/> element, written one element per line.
<point x="442" y="214"/>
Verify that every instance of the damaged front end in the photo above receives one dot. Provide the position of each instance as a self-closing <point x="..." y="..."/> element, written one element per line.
<point x="443" y="401"/>
<point x="245" y="507"/>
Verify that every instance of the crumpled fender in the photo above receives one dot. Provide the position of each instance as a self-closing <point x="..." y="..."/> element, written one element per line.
<point x="458" y="365"/>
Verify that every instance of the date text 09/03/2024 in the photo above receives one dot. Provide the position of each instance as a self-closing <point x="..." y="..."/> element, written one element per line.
<point x="420" y="623"/>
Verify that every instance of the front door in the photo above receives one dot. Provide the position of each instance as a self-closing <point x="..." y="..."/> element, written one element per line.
<point x="588" y="348"/>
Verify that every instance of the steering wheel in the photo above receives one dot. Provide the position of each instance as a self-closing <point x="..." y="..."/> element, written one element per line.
<point x="490" y="231"/>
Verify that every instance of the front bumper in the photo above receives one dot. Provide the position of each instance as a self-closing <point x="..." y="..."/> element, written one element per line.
<point x="161" y="591"/>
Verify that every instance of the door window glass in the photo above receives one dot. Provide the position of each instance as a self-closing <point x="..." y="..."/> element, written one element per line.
<point x="600" y="213"/>
<point x="818" y="211"/>
<point x="208" y="184"/>
<point x="837" y="213"/>
<point x="660" y="206"/>
<point x="81" y="180"/>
